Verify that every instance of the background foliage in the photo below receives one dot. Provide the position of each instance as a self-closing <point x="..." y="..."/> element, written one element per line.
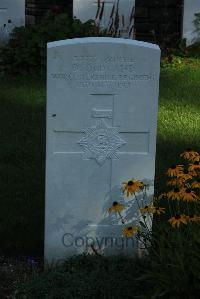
<point x="26" y="50"/>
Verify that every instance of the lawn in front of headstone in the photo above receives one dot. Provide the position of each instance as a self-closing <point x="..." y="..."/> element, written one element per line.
<point x="23" y="149"/>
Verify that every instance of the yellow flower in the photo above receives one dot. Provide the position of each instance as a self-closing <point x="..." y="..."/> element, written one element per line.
<point x="174" y="170"/>
<point x="196" y="159"/>
<point x="159" y="210"/>
<point x="196" y="184"/>
<point x="175" y="194"/>
<point x="177" y="220"/>
<point x="148" y="209"/>
<point x="130" y="231"/>
<point x="132" y="186"/>
<point x="189" y="154"/>
<point x="162" y="195"/>
<point x="179" y="181"/>
<point x="195" y="166"/>
<point x="188" y="195"/>
<point x="116" y="207"/>
<point x="152" y="209"/>
<point x="187" y="175"/>
<point x="194" y="218"/>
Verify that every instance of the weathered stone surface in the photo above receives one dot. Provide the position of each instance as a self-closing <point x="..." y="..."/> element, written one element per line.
<point x="101" y="131"/>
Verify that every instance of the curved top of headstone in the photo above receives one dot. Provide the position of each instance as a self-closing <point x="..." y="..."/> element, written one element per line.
<point x="96" y="40"/>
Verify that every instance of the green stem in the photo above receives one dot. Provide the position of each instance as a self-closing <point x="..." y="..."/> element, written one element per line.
<point x="121" y="218"/>
<point x="141" y="213"/>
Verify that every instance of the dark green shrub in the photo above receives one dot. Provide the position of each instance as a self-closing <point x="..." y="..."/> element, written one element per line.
<point x="26" y="51"/>
<point x="174" y="269"/>
<point x="194" y="50"/>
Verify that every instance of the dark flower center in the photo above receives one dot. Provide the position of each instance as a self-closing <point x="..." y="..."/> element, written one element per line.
<point x="196" y="163"/>
<point x="177" y="217"/>
<point x="188" y="191"/>
<point x="188" y="150"/>
<point x="173" y="166"/>
<point x="186" y="172"/>
<point x="191" y="216"/>
<point x="176" y="190"/>
<point x="146" y="207"/>
<point x="129" y="228"/>
<point x="115" y="203"/>
<point x="130" y="183"/>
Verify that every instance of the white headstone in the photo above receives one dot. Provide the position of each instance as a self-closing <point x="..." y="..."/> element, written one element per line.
<point x="101" y="130"/>
<point x="12" y="14"/>
<point x="89" y="9"/>
<point x="190" y="8"/>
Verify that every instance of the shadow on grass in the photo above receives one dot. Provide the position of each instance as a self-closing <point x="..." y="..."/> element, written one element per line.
<point x="22" y="155"/>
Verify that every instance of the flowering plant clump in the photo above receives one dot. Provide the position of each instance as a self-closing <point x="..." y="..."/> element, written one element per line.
<point x="130" y="189"/>
<point x="184" y="183"/>
<point x="167" y="228"/>
<point x="135" y="195"/>
<point x="179" y="206"/>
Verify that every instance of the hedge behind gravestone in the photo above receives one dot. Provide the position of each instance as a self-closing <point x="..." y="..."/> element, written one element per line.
<point x="26" y="51"/>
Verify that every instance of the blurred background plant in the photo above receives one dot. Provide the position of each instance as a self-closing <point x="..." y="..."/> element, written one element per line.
<point x="26" y="50"/>
<point x="116" y="22"/>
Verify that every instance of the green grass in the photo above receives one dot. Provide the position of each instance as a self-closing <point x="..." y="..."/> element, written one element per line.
<point x="22" y="151"/>
<point x="178" y="115"/>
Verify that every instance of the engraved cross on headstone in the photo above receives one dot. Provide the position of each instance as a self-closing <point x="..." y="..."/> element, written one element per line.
<point x="102" y="140"/>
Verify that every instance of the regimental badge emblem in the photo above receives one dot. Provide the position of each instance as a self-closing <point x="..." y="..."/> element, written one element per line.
<point x="101" y="142"/>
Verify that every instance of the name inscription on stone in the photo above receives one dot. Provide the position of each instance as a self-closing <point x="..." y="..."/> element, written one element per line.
<point x="109" y="72"/>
